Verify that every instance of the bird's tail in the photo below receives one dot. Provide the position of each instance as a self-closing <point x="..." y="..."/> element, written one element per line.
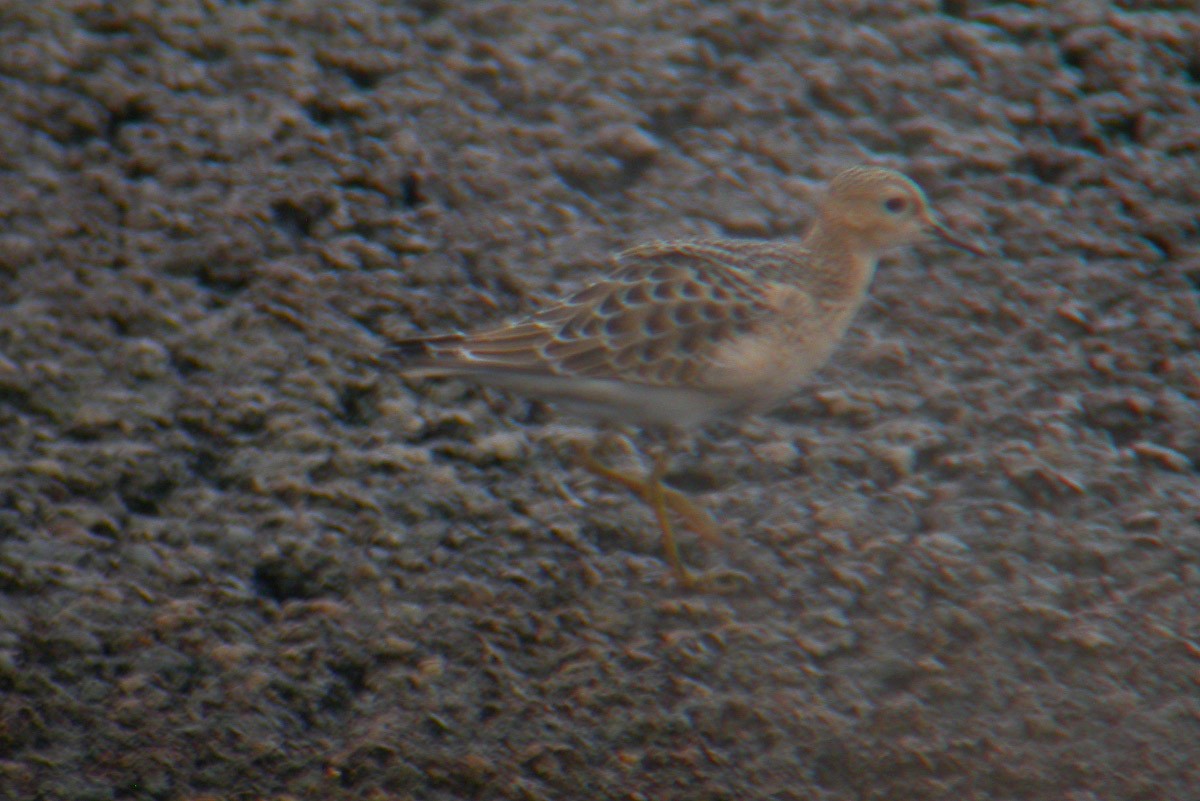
<point x="419" y="356"/>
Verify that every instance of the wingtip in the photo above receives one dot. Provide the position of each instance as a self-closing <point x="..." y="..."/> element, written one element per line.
<point x="416" y="356"/>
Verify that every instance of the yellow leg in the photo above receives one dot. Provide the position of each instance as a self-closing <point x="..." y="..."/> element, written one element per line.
<point x="661" y="500"/>
<point x="694" y="517"/>
<point x="656" y="497"/>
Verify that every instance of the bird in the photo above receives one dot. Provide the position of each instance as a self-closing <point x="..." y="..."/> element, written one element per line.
<point x="678" y="333"/>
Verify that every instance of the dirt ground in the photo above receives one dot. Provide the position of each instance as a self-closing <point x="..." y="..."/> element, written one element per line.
<point x="238" y="561"/>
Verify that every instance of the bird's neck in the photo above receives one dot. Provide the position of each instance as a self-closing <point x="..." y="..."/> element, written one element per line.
<point x="842" y="262"/>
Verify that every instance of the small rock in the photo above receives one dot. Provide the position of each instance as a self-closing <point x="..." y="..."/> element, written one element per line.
<point x="780" y="454"/>
<point x="946" y="543"/>
<point x="503" y="446"/>
<point x="627" y="142"/>
<point x="900" y="458"/>
<point x="1165" y="457"/>
<point x="398" y="457"/>
<point x="145" y="358"/>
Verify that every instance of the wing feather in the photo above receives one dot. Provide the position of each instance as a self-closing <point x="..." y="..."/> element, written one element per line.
<point x="660" y="318"/>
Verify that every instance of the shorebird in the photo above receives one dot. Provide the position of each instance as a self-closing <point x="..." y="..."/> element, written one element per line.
<point x="681" y="332"/>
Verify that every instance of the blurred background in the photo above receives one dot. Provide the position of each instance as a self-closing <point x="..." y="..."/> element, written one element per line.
<point x="239" y="560"/>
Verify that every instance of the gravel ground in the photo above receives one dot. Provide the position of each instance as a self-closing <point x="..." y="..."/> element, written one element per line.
<point x="239" y="561"/>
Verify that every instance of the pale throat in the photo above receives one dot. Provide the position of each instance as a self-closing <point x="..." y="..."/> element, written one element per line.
<point x="842" y="263"/>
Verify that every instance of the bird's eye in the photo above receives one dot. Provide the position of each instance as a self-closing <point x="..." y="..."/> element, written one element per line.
<point x="895" y="204"/>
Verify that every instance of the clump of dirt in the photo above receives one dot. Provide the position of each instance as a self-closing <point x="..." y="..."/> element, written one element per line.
<point x="239" y="559"/>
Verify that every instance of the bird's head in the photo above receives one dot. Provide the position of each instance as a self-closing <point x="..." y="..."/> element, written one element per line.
<point x="883" y="208"/>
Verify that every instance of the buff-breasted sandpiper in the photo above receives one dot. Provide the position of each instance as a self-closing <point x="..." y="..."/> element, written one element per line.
<point x="682" y="332"/>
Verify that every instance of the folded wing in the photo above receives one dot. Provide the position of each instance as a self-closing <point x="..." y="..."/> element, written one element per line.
<point x="658" y="319"/>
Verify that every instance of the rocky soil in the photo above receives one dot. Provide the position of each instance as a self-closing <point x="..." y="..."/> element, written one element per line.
<point x="238" y="560"/>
